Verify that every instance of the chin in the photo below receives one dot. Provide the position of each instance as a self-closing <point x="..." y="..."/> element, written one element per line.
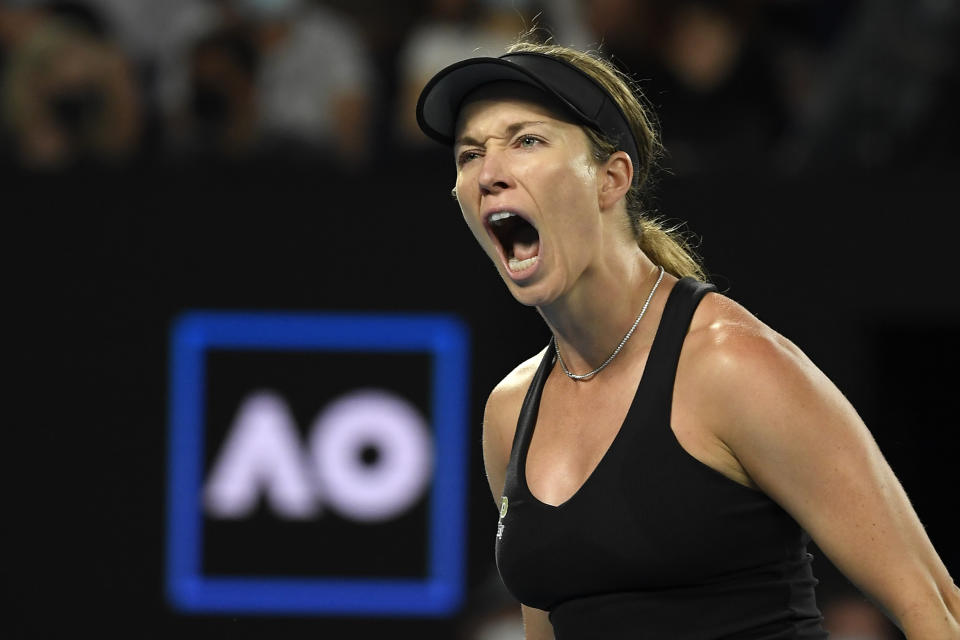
<point x="534" y="294"/>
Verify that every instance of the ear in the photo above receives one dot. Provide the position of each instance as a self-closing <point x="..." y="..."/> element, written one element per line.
<point x="616" y="178"/>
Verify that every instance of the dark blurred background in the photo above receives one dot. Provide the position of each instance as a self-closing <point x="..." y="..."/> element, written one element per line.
<point x="157" y="157"/>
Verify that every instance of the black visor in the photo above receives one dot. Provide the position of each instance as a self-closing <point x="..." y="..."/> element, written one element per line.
<point x="578" y="93"/>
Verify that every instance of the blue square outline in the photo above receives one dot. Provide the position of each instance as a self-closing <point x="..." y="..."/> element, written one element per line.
<point x="442" y="336"/>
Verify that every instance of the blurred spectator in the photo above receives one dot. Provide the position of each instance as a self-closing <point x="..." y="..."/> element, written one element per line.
<point x="296" y="77"/>
<point x="886" y="92"/>
<point x="566" y="23"/>
<point x="188" y="24"/>
<point x="67" y="93"/>
<point x="315" y="84"/>
<point x="146" y="28"/>
<point x="701" y="66"/>
<point x="222" y="115"/>
<point x="744" y="84"/>
<point x="156" y="36"/>
<point x="850" y="617"/>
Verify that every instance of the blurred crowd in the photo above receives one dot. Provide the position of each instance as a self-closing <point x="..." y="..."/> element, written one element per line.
<point x="790" y="84"/>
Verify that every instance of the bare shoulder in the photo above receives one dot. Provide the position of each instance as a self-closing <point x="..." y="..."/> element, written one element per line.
<point x="727" y="343"/>
<point x="500" y="420"/>
<point x="736" y="373"/>
<point x="508" y="395"/>
<point x="751" y="388"/>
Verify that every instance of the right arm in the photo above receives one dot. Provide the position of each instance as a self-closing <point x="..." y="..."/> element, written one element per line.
<point x="499" y="424"/>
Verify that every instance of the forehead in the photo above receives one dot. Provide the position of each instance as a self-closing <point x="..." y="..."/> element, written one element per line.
<point x="504" y="103"/>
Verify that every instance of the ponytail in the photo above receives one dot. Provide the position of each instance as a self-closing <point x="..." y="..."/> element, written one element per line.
<point x="668" y="247"/>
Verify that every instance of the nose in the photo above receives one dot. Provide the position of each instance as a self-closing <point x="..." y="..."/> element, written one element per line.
<point x="494" y="175"/>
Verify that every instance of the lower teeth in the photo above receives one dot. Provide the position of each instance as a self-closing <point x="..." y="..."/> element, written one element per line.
<point x="520" y="265"/>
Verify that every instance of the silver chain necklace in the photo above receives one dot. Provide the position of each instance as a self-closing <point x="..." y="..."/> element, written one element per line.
<point x="585" y="376"/>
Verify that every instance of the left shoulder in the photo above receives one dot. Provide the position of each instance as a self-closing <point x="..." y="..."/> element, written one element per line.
<point x="726" y="344"/>
<point x="752" y="386"/>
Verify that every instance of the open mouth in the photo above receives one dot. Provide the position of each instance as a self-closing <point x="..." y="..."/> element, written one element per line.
<point x="519" y="240"/>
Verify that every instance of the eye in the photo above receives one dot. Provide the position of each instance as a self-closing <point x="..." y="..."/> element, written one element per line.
<point x="467" y="156"/>
<point x="527" y="141"/>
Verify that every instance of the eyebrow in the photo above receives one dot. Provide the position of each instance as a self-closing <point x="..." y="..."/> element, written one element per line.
<point x="510" y="131"/>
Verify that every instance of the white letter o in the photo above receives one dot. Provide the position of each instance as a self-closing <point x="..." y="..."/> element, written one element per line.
<point x="378" y="490"/>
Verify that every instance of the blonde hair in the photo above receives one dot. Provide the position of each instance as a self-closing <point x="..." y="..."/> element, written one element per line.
<point x="666" y="245"/>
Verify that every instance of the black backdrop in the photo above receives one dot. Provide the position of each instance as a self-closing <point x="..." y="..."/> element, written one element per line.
<point x="858" y="270"/>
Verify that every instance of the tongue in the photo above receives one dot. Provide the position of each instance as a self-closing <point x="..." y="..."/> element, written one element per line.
<point x="525" y="250"/>
<point x="526" y="243"/>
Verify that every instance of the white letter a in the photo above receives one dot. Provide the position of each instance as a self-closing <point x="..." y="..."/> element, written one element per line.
<point x="262" y="453"/>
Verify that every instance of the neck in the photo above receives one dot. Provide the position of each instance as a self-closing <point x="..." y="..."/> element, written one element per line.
<point x="591" y="320"/>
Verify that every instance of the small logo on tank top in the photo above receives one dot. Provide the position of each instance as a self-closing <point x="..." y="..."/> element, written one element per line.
<point x="503" y="511"/>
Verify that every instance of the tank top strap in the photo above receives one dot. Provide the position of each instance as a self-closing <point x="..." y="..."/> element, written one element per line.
<point x="528" y="414"/>
<point x="661" y="369"/>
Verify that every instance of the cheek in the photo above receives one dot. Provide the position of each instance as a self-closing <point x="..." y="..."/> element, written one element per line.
<point x="472" y="219"/>
<point x="584" y="168"/>
<point x="573" y="192"/>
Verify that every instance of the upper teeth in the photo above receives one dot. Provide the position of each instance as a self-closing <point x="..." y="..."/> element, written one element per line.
<point x="501" y="215"/>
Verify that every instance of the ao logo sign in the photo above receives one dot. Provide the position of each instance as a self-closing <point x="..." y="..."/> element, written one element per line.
<point x="368" y="456"/>
<point x="368" y="459"/>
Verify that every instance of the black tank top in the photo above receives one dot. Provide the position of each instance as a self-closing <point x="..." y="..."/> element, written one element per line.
<point x="655" y="545"/>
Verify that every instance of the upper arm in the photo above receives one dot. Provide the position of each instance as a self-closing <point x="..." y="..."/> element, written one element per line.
<point x="497" y="438"/>
<point x="803" y="444"/>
